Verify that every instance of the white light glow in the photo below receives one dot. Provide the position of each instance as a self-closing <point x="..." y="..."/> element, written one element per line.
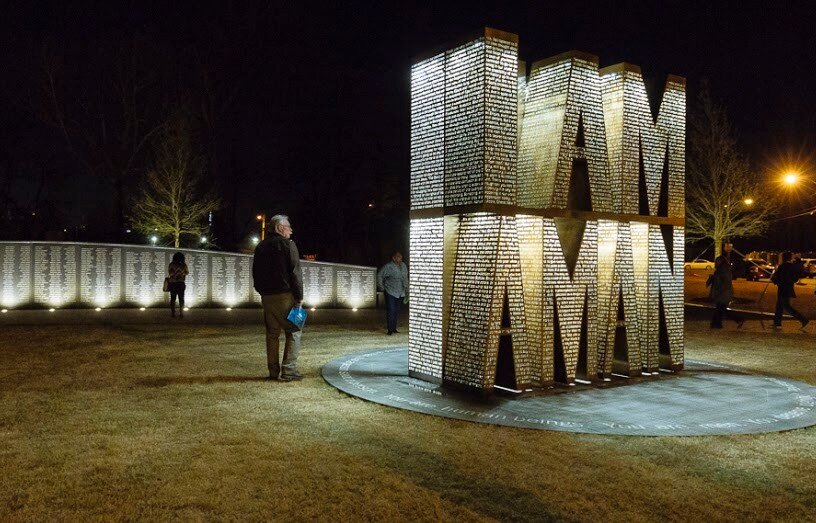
<point x="4" y="311"/>
<point x="154" y="239"/>
<point x="51" y="310"/>
<point x="186" y="308"/>
<point x="607" y="246"/>
<point x="9" y="299"/>
<point x="355" y="300"/>
<point x="141" y="308"/>
<point x="98" y="309"/>
<point x="255" y="240"/>
<point x="313" y="299"/>
<point x="313" y="308"/>
<point x="354" y="309"/>
<point x="229" y="308"/>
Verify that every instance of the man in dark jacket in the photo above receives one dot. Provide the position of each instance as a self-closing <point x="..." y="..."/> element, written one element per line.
<point x="785" y="277"/>
<point x="722" y="289"/>
<point x="276" y="271"/>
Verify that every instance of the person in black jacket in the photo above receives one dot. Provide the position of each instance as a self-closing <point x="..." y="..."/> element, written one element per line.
<point x="785" y="277"/>
<point x="276" y="271"/>
<point x="722" y="289"/>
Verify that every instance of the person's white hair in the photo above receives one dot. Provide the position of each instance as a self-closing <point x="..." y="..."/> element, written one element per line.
<point x="277" y="220"/>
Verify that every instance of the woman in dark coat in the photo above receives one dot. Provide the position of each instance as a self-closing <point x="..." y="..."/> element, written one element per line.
<point x="722" y="292"/>
<point x="177" y="273"/>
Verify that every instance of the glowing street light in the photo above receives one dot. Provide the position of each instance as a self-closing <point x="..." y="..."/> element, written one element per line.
<point x="791" y="178"/>
<point x="154" y="239"/>
<point x="748" y="201"/>
<point x="203" y="239"/>
<point x="255" y="240"/>
<point x="262" y="218"/>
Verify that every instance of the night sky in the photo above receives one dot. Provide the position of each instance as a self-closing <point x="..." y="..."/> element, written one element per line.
<point x="314" y="98"/>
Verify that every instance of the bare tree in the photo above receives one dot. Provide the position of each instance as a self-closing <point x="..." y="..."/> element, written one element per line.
<point x="174" y="201"/>
<point x="725" y="198"/>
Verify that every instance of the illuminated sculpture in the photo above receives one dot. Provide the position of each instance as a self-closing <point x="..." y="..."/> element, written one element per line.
<point x="546" y="219"/>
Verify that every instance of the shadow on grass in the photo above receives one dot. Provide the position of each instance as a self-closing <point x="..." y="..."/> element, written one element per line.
<point x="488" y="497"/>
<point x="196" y="380"/>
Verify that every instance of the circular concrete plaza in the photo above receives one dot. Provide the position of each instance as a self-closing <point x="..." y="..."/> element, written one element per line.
<point x="704" y="399"/>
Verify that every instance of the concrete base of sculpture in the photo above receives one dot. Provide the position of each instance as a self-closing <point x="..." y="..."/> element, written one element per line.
<point x="705" y="399"/>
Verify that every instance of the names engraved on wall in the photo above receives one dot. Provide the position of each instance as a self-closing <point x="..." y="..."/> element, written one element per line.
<point x="243" y="278"/>
<point x="145" y="271"/>
<point x="101" y="275"/>
<point x="318" y="284"/>
<point x="356" y="286"/>
<point x="198" y="281"/>
<point x="232" y="279"/>
<point x="55" y="278"/>
<point x="15" y="274"/>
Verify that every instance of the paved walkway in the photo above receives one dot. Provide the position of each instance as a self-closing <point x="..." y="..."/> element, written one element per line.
<point x="705" y="399"/>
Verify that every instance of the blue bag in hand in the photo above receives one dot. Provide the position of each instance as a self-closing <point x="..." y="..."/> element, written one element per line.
<point x="297" y="316"/>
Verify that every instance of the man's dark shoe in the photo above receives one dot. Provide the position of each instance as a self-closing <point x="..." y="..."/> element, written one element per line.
<point x="273" y="374"/>
<point x="805" y="324"/>
<point x="290" y="377"/>
<point x="390" y="333"/>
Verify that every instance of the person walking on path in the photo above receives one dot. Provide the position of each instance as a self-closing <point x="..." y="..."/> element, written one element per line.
<point x="176" y="274"/>
<point x="278" y="279"/>
<point x="722" y="290"/>
<point x="785" y="277"/>
<point x="392" y="279"/>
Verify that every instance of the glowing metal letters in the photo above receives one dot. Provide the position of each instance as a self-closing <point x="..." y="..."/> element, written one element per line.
<point x="546" y="219"/>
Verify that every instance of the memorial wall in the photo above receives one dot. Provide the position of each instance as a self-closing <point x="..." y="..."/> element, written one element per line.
<point x="52" y="274"/>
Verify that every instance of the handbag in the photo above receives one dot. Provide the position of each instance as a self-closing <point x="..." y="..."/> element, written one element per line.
<point x="166" y="286"/>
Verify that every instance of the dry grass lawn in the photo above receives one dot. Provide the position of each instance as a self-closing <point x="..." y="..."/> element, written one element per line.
<point x="175" y="422"/>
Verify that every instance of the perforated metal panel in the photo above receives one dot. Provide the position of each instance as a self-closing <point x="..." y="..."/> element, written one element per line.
<point x="526" y="224"/>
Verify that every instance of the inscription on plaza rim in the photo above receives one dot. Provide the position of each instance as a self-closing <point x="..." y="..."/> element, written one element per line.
<point x="547" y="212"/>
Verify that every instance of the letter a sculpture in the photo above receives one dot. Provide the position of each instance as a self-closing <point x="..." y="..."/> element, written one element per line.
<point x="546" y="219"/>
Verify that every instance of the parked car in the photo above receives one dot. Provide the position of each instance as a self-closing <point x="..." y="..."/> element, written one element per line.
<point x="810" y="267"/>
<point x="699" y="264"/>
<point x="755" y="269"/>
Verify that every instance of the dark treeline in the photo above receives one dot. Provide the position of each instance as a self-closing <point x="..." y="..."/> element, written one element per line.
<point x="304" y="107"/>
<point x="86" y="94"/>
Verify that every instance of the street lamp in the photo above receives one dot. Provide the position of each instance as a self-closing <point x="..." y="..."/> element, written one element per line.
<point x="791" y="178"/>
<point x="748" y="201"/>
<point x="255" y="240"/>
<point x="203" y="239"/>
<point x="262" y="218"/>
<point x="154" y="239"/>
